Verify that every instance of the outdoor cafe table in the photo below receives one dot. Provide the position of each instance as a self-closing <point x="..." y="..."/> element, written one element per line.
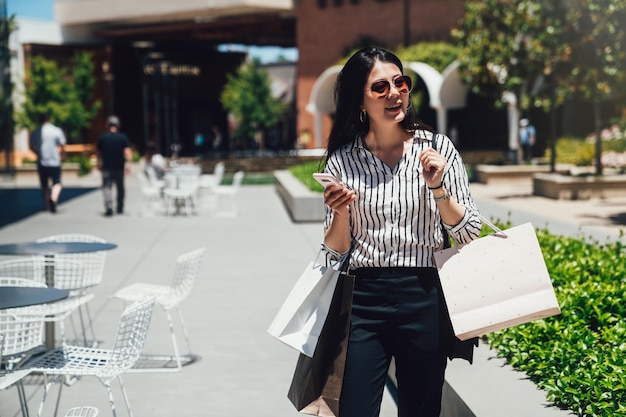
<point x="50" y="249"/>
<point x="14" y="297"/>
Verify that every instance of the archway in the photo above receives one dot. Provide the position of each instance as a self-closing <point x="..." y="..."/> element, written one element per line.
<point x="445" y="91"/>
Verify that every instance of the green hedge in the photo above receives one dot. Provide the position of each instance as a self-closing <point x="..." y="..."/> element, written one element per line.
<point x="304" y="172"/>
<point x="581" y="152"/>
<point x="578" y="357"/>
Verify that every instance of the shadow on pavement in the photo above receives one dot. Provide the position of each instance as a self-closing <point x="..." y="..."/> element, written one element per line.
<point x="24" y="202"/>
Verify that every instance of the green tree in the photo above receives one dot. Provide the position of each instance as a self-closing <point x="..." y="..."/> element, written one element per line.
<point x="84" y="108"/>
<point x="509" y="49"/>
<point x="543" y="52"/>
<point x="7" y="26"/>
<point x="597" y="65"/>
<point x="248" y="96"/>
<point x="436" y="54"/>
<point x="65" y="96"/>
<point x="508" y="46"/>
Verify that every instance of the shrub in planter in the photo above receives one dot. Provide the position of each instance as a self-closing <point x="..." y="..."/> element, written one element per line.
<point x="579" y="356"/>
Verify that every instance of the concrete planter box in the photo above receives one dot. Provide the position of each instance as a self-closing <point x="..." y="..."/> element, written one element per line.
<point x="566" y="187"/>
<point x="568" y="182"/>
<point x="487" y="174"/>
<point x="303" y="204"/>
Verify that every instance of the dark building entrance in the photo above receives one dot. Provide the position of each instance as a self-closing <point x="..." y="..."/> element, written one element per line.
<point x="169" y="93"/>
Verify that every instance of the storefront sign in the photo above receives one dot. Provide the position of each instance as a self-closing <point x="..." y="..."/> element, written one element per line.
<point x="175" y="70"/>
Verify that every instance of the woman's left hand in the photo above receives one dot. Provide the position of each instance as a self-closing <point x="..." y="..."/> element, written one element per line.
<point x="433" y="166"/>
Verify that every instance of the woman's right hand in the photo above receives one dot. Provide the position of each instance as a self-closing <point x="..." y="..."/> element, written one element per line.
<point x="338" y="198"/>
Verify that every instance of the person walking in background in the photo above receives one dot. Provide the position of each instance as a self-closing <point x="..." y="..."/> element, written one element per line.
<point x="400" y="193"/>
<point x="114" y="154"/>
<point x="47" y="142"/>
<point x="216" y="138"/>
<point x="199" y="142"/>
<point x="527" y="135"/>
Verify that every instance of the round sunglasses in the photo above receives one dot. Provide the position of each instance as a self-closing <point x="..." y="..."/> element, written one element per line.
<point x="381" y="88"/>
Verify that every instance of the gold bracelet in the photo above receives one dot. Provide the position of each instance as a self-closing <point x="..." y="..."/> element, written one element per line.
<point x="444" y="197"/>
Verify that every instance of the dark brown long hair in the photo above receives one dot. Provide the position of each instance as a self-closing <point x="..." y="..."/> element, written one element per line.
<point x="349" y="98"/>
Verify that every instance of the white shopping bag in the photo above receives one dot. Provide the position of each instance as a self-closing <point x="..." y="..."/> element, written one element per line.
<point x="300" y="319"/>
<point x="496" y="282"/>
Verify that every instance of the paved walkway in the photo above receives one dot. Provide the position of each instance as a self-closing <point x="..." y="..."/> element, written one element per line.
<point x="249" y="268"/>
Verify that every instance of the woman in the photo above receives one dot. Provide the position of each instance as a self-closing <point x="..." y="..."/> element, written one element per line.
<point x="398" y="195"/>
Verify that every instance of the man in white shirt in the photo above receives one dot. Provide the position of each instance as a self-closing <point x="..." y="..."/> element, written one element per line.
<point x="48" y="143"/>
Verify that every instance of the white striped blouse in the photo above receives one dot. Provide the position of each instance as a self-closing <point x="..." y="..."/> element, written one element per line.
<point x="395" y="221"/>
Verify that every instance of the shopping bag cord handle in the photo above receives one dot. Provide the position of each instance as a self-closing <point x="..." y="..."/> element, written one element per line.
<point x="495" y="228"/>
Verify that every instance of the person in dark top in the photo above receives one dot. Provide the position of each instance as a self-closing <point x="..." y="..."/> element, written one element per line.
<point x="114" y="157"/>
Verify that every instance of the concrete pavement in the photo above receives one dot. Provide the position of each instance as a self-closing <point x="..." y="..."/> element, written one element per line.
<point x="251" y="263"/>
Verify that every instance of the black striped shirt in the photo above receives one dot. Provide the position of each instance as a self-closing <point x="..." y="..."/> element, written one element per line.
<point x="395" y="221"/>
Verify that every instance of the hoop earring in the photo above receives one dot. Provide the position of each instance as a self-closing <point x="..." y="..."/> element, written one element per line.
<point x="363" y="116"/>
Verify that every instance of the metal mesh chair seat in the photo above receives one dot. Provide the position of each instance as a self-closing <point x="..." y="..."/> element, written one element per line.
<point x="169" y="297"/>
<point x="105" y="364"/>
<point x="14" y="377"/>
<point x="82" y="412"/>
<point x="8" y="378"/>
<point x="164" y="293"/>
<point x="60" y="310"/>
<point x="68" y="275"/>
<point x="22" y="328"/>
<point x="80" y="360"/>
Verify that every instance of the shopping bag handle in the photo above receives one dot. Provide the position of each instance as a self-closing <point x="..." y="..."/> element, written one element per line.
<point x="499" y="232"/>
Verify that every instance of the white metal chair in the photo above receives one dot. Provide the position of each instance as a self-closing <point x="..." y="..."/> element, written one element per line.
<point x="151" y="193"/>
<point x="175" y="198"/>
<point x="229" y="193"/>
<point x="93" y="265"/>
<point x="212" y="181"/>
<point x="22" y="330"/>
<point x="208" y="185"/>
<point x="23" y="335"/>
<point x="84" y="411"/>
<point x="184" y="192"/>
<point x="153" y="178"/>
<point x="93" y="262"/>
<point x="68" y="275"/>
<point x="169" y="297"/>
<point x="9" y="378"/>
<point x="105" y="364"/>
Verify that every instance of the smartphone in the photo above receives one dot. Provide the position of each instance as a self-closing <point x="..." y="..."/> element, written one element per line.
<point x="326" y="179"/>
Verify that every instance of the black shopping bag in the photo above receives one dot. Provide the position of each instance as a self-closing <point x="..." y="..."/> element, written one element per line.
<point x="317" y="381"/>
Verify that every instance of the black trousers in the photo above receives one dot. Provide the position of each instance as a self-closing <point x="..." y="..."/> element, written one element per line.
<point x="110" y="177"/>
<point x="395" y="313"/>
